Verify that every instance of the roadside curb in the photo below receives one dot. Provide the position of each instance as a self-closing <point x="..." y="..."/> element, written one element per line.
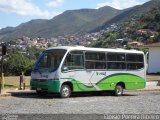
<point x="5" y="95"/>
<point x="149" y="87"/>
<point x="142" y="90"/>
<point x="17" y="93"/>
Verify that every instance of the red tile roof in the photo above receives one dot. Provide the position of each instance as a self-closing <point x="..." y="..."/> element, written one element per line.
<point x="153" y="45"/>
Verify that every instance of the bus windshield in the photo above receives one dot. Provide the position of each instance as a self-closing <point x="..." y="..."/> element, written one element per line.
<point x="50" y="60"/>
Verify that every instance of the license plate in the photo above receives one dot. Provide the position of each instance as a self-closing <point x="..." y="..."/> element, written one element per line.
<point x="39" y="88"/>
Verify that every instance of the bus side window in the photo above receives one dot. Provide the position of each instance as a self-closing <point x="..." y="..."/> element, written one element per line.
<point x="74" y="60"/>
<point x="134" y="61"/>
<point x="95" y="60"/>
<point x="116" y="61"/>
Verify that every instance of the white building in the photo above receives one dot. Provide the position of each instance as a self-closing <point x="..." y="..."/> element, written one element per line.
<point x="154" y="58"/>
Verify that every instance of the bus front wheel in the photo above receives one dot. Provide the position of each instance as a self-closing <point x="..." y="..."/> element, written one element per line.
<point x="65" y="91"/>
<point x="118" y="90"/>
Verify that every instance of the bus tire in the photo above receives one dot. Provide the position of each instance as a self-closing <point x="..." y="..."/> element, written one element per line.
<point x="118" y="90"/>
<point x="65" y="91"/>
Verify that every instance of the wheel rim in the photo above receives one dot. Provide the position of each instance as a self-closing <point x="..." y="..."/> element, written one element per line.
<point x="119" y="90"/>
<point x="65" y="91"/>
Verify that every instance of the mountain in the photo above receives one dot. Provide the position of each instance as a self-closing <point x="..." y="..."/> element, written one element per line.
<point x="107" y="14"/>
<point x="66" y="23"/>
<point x="71" y="21"/>
<point x="75" y="22"/>
<point x="132" y="12"/>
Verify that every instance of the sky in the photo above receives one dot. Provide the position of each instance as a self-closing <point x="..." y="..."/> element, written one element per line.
<point x="15" y="12"/>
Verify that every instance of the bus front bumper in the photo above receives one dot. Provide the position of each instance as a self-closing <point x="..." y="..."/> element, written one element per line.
<point x="45" y="85"/>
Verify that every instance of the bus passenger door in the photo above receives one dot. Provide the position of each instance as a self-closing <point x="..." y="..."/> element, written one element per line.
<point x="73" y="69"/>
<point x="67" y="69"/>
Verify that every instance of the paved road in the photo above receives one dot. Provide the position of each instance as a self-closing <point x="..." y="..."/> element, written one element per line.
<point x="87" y="103"/>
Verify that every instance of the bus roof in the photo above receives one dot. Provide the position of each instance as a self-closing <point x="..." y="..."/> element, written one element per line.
<point x="120" y="50"/>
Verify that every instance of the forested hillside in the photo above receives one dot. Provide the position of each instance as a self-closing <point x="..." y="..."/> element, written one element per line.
<point x="144" y="28"/>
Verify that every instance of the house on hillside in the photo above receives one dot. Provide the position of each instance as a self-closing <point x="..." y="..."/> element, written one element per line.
<point x="135" y="43"/>
<point x="154" y="57"/>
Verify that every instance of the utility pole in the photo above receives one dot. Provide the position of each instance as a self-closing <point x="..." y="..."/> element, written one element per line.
<point x="3" y="51"/>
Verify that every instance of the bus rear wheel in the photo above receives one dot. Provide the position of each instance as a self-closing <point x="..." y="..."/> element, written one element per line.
<point x="65" y="91"/>
<point x="118" y="90"/>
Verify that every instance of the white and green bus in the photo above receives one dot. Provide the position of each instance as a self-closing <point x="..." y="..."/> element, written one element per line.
<point x="67" y="69"/>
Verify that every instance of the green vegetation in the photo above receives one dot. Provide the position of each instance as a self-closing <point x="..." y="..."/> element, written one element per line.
<point x="18" y="61"/>
<point x="144" y="28"/>
<point x="106" y="41"/>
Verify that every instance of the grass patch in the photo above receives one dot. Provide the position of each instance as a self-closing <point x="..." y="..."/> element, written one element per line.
<point x="11" y="87"/>
<point x="153" y="77"/>
<point x="14" y="81"/>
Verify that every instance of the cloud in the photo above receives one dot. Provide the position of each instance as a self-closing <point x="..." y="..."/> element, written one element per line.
<point x="24" y="8"/>
<point x="120" y="4"/>
<point x="55" y="3"/>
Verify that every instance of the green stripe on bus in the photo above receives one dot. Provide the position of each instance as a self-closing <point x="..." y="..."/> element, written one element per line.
<point x="131" y="81"/>
<point x="78" y="86"/>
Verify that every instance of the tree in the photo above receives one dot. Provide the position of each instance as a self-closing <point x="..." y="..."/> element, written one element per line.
<point x="16" y="63"/>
